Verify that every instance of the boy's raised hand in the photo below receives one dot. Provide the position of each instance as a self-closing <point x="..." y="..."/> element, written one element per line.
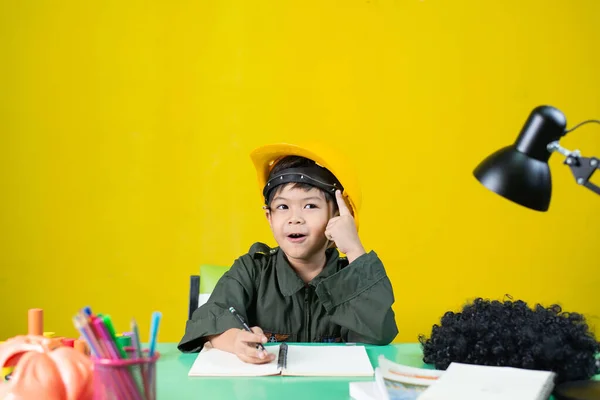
<point x="342" y="230"/>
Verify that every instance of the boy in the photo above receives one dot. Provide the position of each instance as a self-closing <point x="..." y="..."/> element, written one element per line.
<point x="302" y="290"/>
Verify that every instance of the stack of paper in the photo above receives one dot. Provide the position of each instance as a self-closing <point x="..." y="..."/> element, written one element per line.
<point x="476" y="382"/>
<point x="394" y="381"/>
<point x="459" y="382"/>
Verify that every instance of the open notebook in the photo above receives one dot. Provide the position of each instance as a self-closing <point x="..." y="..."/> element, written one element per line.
<point x="295" y="360"/>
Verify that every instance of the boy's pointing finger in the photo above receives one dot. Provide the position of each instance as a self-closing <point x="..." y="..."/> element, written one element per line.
<point x="344" y="210"/>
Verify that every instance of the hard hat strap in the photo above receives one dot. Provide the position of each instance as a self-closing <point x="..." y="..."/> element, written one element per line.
<point x="313" y="175"/>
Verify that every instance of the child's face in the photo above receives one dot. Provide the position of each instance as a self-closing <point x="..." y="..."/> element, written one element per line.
<point x="298" y="219"/>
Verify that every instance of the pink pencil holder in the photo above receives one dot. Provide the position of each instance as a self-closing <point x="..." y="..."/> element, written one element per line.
<point x="130" y="379"/>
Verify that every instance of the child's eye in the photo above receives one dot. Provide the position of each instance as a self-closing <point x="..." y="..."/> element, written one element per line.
<point x="311" y="206"/>
<point x="281" y="207"/>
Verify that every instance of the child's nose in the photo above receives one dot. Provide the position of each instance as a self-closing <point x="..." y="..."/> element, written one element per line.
<point x="295" y="219"/>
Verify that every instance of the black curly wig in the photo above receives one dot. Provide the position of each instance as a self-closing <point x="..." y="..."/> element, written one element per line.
<point x="512" y="334"/>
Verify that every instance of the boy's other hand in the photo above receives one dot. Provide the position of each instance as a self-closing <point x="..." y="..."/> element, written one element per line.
<point x="342" y="230"/>
<point x="244" y="346"/>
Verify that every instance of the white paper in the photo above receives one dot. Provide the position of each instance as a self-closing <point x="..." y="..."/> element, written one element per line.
<point x="215" y="362"/>
<point x="328" y="361"/>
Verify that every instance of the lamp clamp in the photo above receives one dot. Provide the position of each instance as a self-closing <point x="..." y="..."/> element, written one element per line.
<point x="582" y="167"/>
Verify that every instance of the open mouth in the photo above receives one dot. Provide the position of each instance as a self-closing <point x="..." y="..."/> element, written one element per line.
<point x="296" y="235"/>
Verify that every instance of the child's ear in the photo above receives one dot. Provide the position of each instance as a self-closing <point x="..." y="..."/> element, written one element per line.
<point x="267" y="213"/>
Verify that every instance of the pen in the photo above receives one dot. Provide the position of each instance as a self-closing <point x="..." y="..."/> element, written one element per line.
<point x="135" y="339"/>
<point x="246" y="327"/>
<point x="137" y="344"/>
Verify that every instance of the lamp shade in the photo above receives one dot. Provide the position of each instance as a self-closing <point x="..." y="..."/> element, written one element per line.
<point x="520" y="172"/>
<point x="517" y="177"/>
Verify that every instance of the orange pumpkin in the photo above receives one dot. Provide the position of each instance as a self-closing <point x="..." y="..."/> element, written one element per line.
<point x="44" y="369"/>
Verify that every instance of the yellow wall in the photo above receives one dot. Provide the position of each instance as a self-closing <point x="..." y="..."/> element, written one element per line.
<point x="126" y="129"/>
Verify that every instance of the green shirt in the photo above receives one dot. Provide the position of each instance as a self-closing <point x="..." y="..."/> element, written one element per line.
<point x="344" y="303"/>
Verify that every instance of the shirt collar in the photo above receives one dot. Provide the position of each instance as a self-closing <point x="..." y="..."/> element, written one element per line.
<point x="289" y="282"/>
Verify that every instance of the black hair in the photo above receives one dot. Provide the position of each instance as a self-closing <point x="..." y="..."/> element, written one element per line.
<point x="512" y="334"/>
<point x="296" y="162"/>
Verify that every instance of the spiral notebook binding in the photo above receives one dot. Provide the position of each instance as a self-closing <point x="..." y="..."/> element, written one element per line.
<point x="282" y="358"/>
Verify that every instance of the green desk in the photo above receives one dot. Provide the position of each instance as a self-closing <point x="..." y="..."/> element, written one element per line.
<point x="173" y="382"/>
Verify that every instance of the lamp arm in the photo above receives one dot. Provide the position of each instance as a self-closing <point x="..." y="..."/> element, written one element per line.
<point x="582" y="167"/>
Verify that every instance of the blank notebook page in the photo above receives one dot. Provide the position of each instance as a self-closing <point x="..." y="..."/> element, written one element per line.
<point x="328" y="361"/>
<point x="215" y="362"/>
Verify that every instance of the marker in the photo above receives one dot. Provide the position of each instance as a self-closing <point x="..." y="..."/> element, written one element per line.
<point x="156" y="315"/>
<point x="111" y="331"/>
<point x="246" y="327"/>
<point x="127" y="380"/>
<point x="88" y="335"/>
<point x="124" y="341"/>
<point x="105" y="339"/>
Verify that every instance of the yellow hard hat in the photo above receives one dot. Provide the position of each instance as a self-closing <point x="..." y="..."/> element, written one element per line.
<point x="265" y="158"/>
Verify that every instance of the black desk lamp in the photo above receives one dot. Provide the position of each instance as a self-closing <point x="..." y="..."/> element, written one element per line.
<point x="520" y="173"/>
